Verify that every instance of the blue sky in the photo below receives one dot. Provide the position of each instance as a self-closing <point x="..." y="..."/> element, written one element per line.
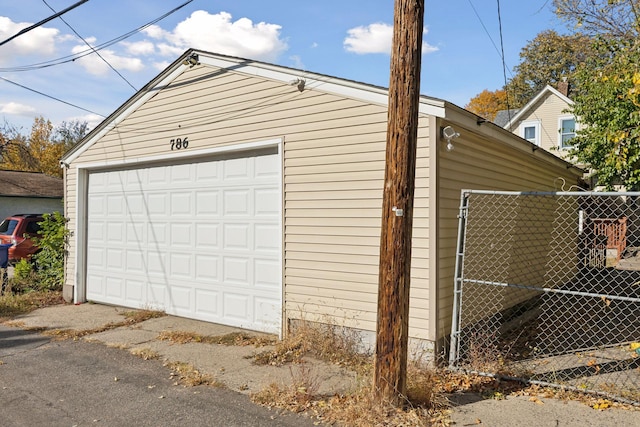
<point x="347" y="38"/>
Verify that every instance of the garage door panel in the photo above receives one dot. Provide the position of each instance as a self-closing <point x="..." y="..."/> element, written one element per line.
<point x="180" y="266"/>
<point x="236" y="271"/>
<point x="207" y="236"/>
<point x="199" y="240"/>
<point x="158" y="235"/>
<point x="208" y="173"/>
<point x="236" y="203"/>
<point x="134" y="291"/>
<point x="236" y="170"/>
<point x="115" y="258"/>
<point x="236" y="307"/>
<point x="182" y="235"/>
<point x="156" y="264"/>
<point x="135" y="262"/>
<point x="208" y="304"/>
<point x="267" y="274"/>
<point x="267" y="202"/>
<point x="236" y="237"/>
<point x="266" y="237"/>
<point x="181" y="204"/>
<point x="266" y="312"/>
<point x="207" y="203"/>
<point x="207" y="268"/>
<point x="115" y="288"/>
<point x="135" y="205"/>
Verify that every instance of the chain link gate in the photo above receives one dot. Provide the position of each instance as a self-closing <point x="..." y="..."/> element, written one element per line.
<point x="547" y="289"/>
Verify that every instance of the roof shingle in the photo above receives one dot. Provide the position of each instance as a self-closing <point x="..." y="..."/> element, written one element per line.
<point x="29" y="184"/>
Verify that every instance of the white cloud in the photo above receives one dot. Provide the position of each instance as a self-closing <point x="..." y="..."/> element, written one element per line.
<point x="40" y="40"/>
<point x="92" y="120"/>
<point x="219" y="34"/>
<point x="144" y="47"/>
<point x="297" y="62"/>
<point x="17" y="109"/>
<point x="160" y="66"/>
<point x="96" y="66"/>
<point x="375" y="38"/>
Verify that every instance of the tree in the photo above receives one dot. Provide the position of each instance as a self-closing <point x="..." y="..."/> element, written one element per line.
<point x="546" y="60"/>
<point x="608" y="106"/>
<point x="618" y="18"/>
<point x="42" y="150"/>
<point x="486" y="104"/>
<point x="70" y="133"/>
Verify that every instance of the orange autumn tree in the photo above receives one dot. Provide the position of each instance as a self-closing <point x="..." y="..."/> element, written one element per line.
<point x="42" y="149"/>
<point x="486" y="104"/>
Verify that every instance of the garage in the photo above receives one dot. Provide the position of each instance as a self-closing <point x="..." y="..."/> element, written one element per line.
<point x="194" y="239"/>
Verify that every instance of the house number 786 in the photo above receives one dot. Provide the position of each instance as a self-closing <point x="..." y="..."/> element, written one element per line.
<point x="179" y="143"/>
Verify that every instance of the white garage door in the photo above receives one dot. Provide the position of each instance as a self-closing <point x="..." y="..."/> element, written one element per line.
<point x="199" y="240"/>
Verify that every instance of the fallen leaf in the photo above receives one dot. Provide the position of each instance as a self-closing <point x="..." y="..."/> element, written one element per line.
<point x="536" y="400"/>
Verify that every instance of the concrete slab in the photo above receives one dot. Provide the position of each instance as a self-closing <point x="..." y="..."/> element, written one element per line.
<point x="231" y="365"/>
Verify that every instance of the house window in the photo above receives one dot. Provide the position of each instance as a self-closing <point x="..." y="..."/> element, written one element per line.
<point x="567" y="131"/>
<point x="531" y="132"/>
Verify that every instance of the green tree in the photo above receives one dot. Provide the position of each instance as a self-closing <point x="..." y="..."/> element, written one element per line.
<point x="546" y="60"/>
<point x="607" y="103"/>
<point x="618" y="18"/>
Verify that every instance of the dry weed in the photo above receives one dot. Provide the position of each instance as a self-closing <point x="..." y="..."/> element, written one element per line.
<point x="15" y="304"/>
<point x="231" y="339"/>
<point x="187" y="375"/>
<point x="131" y="318"/>
<point x="326" y="342"/>
<point x="145" y="353"/>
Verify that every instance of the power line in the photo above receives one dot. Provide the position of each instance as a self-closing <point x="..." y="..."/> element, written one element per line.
<point x="70" y="58"/>
<point x="504" y="65"/>
<point x="51" y="97"/>
<point x="91" y="47"/>
<point x="44" y="21"/>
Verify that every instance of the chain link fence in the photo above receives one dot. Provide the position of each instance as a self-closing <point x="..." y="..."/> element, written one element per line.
<point x="548" y="289"/>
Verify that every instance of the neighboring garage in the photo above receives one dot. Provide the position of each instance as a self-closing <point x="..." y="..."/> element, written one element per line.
<point x="250" y="194"/>
<point x="196" y="239"/>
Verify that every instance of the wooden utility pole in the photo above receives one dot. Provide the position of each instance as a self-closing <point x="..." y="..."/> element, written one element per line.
<point x="390" y="365"/>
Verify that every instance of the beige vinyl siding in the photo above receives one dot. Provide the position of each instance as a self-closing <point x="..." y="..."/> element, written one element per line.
<point x="547" y="111"/>
<point x="334" y="156"/>
<point x="70" y="204"/>
<point x="478" y="163"/>
<point x="333" y="200"/>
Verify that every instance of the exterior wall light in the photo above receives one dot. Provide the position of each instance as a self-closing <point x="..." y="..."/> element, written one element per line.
<point x="449" y="133"/>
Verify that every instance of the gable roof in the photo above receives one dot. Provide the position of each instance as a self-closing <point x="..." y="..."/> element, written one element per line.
<point x="547" y="90"/>
<point x="289" y="76"/>
<point x="29" y="184"/>
<point x="502" y="116"/>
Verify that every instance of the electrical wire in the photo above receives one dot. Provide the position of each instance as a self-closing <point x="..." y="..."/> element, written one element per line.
<point x="51" y="97"/>
<point x="44" y="21"/>
<point x="91" y="47"/>
<point x="504" y="64"/>
<point x="81" y="54"/>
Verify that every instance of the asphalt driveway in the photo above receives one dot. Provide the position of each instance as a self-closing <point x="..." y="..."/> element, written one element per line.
<point x="79" y="383"/>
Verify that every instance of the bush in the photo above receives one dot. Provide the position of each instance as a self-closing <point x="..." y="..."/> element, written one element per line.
<point x="49" y="261"/>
